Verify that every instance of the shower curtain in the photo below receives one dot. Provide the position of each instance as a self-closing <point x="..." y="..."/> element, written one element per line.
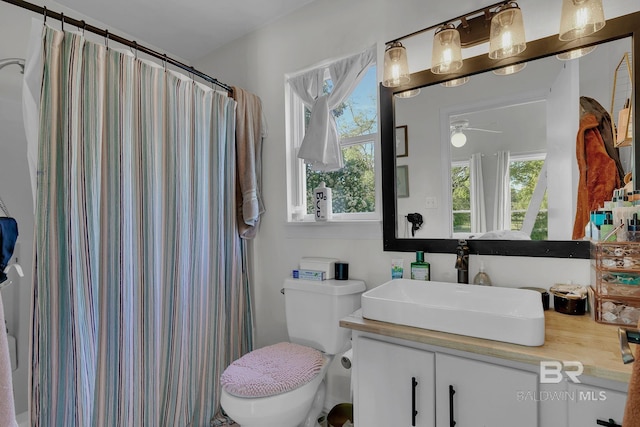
<point x="502" y="205"/>
<point x="141" y="300"/>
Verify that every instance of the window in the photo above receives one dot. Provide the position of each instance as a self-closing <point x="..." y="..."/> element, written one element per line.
<point x="524" y="173"/>
<point x="461" y="197"/>
<point x="355" y="196"/>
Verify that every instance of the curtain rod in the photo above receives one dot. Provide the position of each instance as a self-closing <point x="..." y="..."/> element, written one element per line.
<point x="81" y="24"/>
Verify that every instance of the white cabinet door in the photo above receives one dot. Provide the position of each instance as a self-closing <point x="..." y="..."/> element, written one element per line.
<point x="587" y="405"/>
<point x="394" y="385"/>
<point x="476" y="394"/>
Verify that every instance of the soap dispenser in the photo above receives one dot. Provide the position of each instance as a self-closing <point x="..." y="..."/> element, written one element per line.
<point x="420" y="269"/>
<point x="482" y="278"/>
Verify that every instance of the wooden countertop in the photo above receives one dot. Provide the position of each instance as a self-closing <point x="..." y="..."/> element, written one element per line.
<point x="575" y="338"/>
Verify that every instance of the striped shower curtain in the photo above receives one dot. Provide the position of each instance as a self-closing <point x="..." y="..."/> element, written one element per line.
<point x="140" y="300"/>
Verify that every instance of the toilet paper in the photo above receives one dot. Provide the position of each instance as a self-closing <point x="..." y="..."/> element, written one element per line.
<point x="346" y="358"/>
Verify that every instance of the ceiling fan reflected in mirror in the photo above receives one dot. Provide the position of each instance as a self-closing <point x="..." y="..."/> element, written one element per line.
<point x="458" y="137"/>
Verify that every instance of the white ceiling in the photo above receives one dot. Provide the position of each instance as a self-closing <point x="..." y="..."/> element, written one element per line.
<point x="189" y="29"/>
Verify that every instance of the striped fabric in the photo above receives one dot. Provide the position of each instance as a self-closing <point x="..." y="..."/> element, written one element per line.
<point x="141" y="300"/>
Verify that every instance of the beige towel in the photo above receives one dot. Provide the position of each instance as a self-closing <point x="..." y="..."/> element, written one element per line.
<point x="632" y="408"/>
<point x="7" y="408"/>
<point x="250" y="131"/>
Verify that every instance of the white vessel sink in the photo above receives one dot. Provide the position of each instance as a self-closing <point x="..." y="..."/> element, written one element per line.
<point x="501" y="314"/>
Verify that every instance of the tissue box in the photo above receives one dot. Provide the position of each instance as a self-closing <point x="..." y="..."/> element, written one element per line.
<point x="309" y="274"/>
<point x="319" y="264"/>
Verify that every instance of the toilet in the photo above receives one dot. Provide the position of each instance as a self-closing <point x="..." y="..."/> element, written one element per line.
<point x="283" y="385"/>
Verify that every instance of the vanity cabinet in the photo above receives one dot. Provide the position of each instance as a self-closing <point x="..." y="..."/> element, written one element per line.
<point x="594" y="406"/>
<point x="475" y="393"/>
<point x="404" y="386"/>
<point x="395" y="385"/>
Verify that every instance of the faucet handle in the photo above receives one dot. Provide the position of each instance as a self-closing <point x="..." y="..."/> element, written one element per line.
<point x="627" y="335"/>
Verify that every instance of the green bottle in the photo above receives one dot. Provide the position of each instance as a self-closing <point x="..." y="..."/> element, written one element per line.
<point x="607" y="227"/>
<point x="420" y="269"/>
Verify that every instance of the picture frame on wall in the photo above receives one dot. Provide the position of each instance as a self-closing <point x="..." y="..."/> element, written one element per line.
<point x="402" y="181"/>
<point x="402" y="141"/>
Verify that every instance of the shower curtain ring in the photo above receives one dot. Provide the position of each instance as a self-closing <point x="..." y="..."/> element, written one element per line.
<point x="62" y="20"/>
<point x="106" y="39"/>
<point x="165" y="62"/>
<point x="135" y="47"/>
<point x="44" y="12"/>
<point x="84" y="27"/>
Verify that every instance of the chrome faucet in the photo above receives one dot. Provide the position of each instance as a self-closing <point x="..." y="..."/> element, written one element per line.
<point x="462" y="261"/>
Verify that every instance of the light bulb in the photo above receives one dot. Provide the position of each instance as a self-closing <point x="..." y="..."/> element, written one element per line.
<point x="458" y="139"/>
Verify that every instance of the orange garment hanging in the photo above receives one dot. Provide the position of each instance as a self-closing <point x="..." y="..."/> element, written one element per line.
<point x="598" y="173"/>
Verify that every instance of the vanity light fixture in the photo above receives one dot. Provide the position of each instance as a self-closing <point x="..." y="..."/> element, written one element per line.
<point x="507" y="32"/>
<point x="446" y="55"/>
<point x="396" y="67"/>
<point x="580" y="18"/>
<point x="510" y="69"/>
<point x="408" y="93"/>
<point x="455" y="82"/>
<point x="500" y="23"/>
<point x="575" y="53"/>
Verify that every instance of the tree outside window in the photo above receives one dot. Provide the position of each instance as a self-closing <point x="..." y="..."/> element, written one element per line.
<point x="523" y="179"/>
<point x="353" y="187"/>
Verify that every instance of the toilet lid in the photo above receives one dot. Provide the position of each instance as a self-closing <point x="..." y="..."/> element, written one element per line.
<point x="272" y="370"/>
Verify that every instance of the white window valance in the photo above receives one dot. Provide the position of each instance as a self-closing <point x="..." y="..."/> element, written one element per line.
<point x="321" y="144"/>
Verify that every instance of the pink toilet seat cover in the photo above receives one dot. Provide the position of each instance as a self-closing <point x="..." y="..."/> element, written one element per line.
<point x="272" y="370"/>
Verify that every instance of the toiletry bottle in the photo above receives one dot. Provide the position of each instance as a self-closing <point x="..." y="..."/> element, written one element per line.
<point x="633" y="228"/>
<point x="397" y="268"/>
<point x="420" y="269"/>
<point x="322" y="198"/>
<point x="607" y="227"/>
<point x="482" y="278"/>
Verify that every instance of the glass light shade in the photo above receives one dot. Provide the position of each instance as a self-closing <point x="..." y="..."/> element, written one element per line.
<point x="396" y="67"/>
<point x="575" y="53"/>
<point x="455" y="82"/>
<point x="580" y="18"/>
<point x="408" y="93"/>
<point x="446" y="56"/>
<point x="507" y="33"/>
<point x="509" y="69"/>
<point x="458" y="139"/>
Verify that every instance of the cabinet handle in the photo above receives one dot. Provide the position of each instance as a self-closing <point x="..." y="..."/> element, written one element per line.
<point x="414" y="384"/>
<point x="610" y="423"/>
<point x="452" y="422"/>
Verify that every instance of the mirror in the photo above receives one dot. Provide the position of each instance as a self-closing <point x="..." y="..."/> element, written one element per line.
<point x="490" y="108"/>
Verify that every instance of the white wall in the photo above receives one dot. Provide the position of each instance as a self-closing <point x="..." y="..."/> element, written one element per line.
<point x="328" y="29"/>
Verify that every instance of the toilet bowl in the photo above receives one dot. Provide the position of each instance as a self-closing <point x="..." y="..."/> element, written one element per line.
<point x="313" y="312"/>
<point x="288" y="409"/>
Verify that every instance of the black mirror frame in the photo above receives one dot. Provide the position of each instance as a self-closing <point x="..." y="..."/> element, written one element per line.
<point x="616" y="28"/>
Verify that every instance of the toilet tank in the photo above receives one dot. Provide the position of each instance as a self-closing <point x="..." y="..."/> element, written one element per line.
<point x="314" y="309"/>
